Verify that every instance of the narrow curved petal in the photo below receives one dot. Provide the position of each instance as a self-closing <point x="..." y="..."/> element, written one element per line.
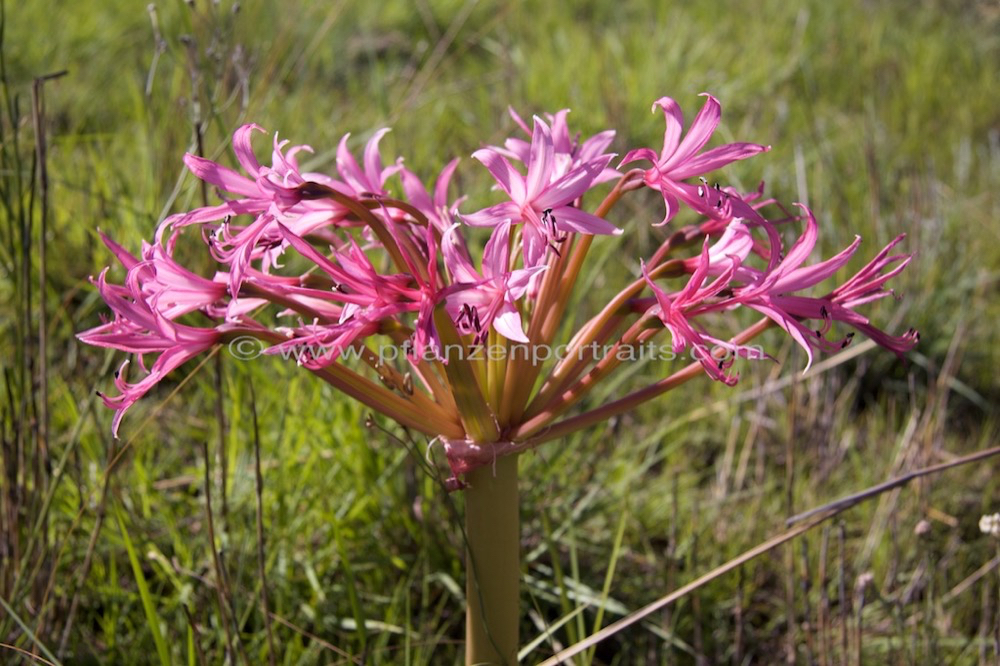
<point x="222" y="177"/>
<point x="792" y="326"/>
<point x="520" y="280"/>
<point x="675" y="124"/>
<point x="455" y="261"/>
<point x="496" y="254"/>
<point x="673" y="206"/>
<point x="348" y="166"/>
<point x="373" y="161"/>
<point x="244" y="150"/>
<point x="507" y="323"/>
<point x="416" y="193"/>
<point x="492" y="216"/>
<point x="807" y="276"/>
<point x="646" y="154"/>
<point x="123" y="255"/>
<point x="576" y="220"/>
<point x="716" y="158"/>
<point x="517" y="119"/>
<point x="698" y="134"/>
<point x="506" y="175"/>
<point x="540" y="160"/>
<point x="533" y="245"/>
<point x="802" y="248"/>
<point x="595" y="145"/>
<point x="441" y="187"/>
<point x="571" y="186"/>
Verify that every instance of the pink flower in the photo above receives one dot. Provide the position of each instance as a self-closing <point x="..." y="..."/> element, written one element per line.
<point x="539" y="200"/>
<point x="369" y="181"/>
<point x="771" y="294"/>
<point x="569" y="152"/>
<point x="479" y="303"/>
<point x="140" y="329"/>
<point x="678" y="311"/>
<point x="680" y="160"/>
<point x="437" y="210"/>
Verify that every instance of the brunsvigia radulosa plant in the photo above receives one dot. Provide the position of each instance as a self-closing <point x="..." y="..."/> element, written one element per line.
<point x="398" y="311"/>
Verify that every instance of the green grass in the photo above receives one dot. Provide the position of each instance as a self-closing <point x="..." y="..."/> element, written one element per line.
<point x="882" y="116"/>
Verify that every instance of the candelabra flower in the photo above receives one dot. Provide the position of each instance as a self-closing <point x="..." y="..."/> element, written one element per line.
<point x="372" y="285"/>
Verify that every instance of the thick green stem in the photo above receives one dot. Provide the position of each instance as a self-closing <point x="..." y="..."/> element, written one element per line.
<point x="493" y="573"/>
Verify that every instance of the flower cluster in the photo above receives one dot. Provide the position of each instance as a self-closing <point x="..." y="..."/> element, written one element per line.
<point x="334" y="261"/>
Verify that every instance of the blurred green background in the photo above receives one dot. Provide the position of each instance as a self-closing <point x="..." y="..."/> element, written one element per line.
<point x="884" y="117"/>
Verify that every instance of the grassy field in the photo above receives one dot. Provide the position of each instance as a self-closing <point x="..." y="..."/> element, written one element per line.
<point x="884" y="117"/>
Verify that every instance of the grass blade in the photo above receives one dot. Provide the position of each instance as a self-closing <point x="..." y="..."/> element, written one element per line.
<point x="27" y="632"/>
<point x="147" y="601"/>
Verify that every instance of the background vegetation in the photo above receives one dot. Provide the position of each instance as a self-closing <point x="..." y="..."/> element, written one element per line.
<point x="883" y="116"/>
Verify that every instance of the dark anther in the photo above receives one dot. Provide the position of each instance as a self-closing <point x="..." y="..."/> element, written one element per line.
<point x="823" y="312"/>
<point x="701" y="192"/>
<point x="819" y="333"/>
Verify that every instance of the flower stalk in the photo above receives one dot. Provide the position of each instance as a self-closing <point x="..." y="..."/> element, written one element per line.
<point x="492" y="587"/>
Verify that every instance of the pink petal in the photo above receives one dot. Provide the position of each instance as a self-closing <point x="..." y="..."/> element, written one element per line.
<point x="596" y="145"/>
<point x="520" y="279"/>
<point x="802" y="248"/>
<point x="455" y="260"/>
<point x="798" y="332"/>
<point x="572" y="185"/>
<point x="496" y="254"/>
<point x="244" y="150"/>
<point x="802" y="278"/>
<point x="416" y="193"/>
<point x="517" y="119"/>
<point x="373" y="162"/>
<point x="533" y="245"/>
<point x="540" y="160"/>
<point x="673" y="206"/>
<point x="222" y="177"/>
<point x="492" y="216"/>
<point x="348" y="167"/>
<point x="507" y="323"/>
<point x="561" y="140"/>
<point x="506" y="175"/>
<point x="123" y="255"/>
<point x="716" y="158"/>
<point x="675" y="124"/>
<point x="441" y="187"/>
<point x="646" y="154"/>
<point x="698" y="134"/>
<point x="574" y="219"/>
